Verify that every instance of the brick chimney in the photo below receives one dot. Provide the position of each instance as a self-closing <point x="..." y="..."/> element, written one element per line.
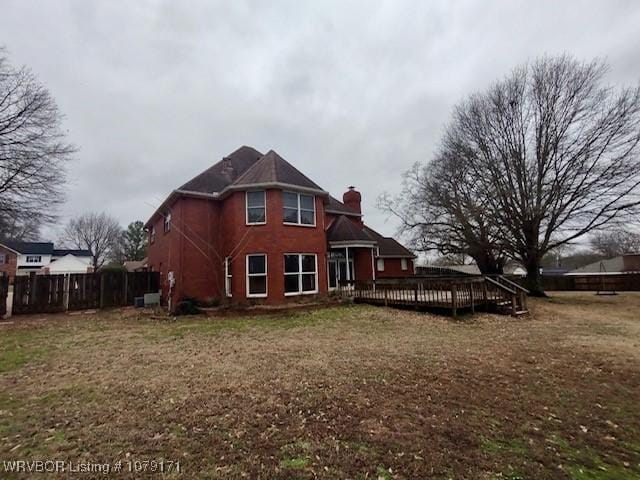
<point x="352" y="199"/>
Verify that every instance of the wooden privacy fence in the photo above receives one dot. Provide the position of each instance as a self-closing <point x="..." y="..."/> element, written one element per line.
<point x="623" y="282"/>
<point x="442" y="293"/>
<point x="4" y="291"/>
<point x="57" y="293"/>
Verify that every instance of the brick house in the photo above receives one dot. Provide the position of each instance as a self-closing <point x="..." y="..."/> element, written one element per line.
<point x="254" y="228"/>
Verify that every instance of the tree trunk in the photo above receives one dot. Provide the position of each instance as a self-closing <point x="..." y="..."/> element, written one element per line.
<point x="534" y="279"/>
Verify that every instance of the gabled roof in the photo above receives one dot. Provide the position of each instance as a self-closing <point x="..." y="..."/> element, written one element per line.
<point x="61" y="252"/>
<point x="222" y="174"/>
<point x="272" y="168"/>
<point x="29" y="248"/>
<point x="344" y="230"/>
<point x="389" y="247"/>
<point x="336" y="206"/>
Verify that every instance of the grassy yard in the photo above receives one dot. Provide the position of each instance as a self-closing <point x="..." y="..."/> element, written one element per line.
<point x="344" y="392"/>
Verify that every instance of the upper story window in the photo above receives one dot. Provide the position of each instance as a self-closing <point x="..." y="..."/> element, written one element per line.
<point x="256" y="207"/>
<point x="3" y="258"/>
<point x="403" y="264"/>
<point x="298" y="208"/>
<point x="152" y="235"/>
<point x="380" y="264"/>
<point x="167" y="222"/>
<point x="33" y="259"/>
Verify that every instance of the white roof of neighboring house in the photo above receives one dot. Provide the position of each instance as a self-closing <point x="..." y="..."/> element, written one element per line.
<point x="69" y="264"/>
<point x="621" y="264"/>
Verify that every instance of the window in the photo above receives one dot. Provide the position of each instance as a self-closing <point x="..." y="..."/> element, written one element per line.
<point x="403" y="263"/>
<point x="256" y="207"/>
<point x="3" y="259"/>
<point x="257" y="275"/>
<point x="34" y="259"/>
<point x="227" y="276"/>
<point x="380" y="264"/>
<point x="300" y="274"/>
<point x="298" y="209"/>
<point x="152" y="235"/>
<point x="167" y="222"/>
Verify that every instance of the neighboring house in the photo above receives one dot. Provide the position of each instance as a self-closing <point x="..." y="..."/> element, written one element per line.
<point x="629" y="263"/>
<point x="23" y="258"/>
<point x="253" y="227"/>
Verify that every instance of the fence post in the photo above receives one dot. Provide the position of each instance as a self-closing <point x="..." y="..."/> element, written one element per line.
<point x="126" y="289"/>
<point x="32" y="288"/>
<point x="65" y="292"/>
<point x="473" y="307"/>
<point x="386" y="301"/>
<point x="102" y="290"/>
<point x="454" y="299"/>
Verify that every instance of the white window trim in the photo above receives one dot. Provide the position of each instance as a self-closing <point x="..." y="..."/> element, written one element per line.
<point x="228" y="278"/>
<point x="152" y="235"/>
<point x="3" y="258"/>
<point x="246" y="207"/>
<point x="299" y="222"/>
<point x="300" y="273"/>
<point x="380" y="263"/>
<point x="167" y="222"/>
<point x="27" y="257"/>
<point x="404" y="264"/>
<point x="265" y="274"/>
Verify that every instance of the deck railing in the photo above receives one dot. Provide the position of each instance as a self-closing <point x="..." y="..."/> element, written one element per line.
<point x="450" y="293"/>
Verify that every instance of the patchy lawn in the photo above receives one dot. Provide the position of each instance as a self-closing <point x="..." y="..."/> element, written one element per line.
<point x="344" y="392"/>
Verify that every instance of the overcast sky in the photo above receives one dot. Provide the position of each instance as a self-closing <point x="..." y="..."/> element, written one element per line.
<point x="349" y="92"/>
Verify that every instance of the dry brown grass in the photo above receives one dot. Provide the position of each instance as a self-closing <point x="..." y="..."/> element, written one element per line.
<point x="346" y="392"/>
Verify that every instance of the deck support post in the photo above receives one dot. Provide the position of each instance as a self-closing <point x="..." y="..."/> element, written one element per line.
<point x="514" y="305"/>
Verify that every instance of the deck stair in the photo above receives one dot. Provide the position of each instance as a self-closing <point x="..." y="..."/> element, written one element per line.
<point x="453" y="294"/>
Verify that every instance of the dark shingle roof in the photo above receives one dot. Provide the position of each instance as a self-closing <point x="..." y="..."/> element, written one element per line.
<point x="30" y="248"/>
<point x="61" y="252"/>
<point x="387" y="246"/>
<point x="272" y="168"/>
<point x="344" y="230"/>
<point x="223" y="173"/>
<point x="336" y="206"/>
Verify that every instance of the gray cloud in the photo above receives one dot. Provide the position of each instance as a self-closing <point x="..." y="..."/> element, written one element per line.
<point x="351" y="93"/>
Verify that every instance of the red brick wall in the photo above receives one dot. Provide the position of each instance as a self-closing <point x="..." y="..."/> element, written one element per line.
<point x="8" y="267"/>
<point x="275" y="239"/>
<point x="362" y="258"/>
<point x="204" y="232"/>
<point x="393" y="268"/>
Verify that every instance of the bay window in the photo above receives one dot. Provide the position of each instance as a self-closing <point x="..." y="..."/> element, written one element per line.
<point x="298" y="208"/>
<point x="256" y="203"/>
<point x="257" y="275"/>
<point x="300" y="274"/>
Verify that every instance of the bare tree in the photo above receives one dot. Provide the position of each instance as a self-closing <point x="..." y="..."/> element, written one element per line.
<point x="33" y="150"/>
<point x="550" y="154"/>
<point x="616" y="242"/>
<point x="16" y="229"/>
<point x="97" y="232"/>
<point x="442" y="210"/>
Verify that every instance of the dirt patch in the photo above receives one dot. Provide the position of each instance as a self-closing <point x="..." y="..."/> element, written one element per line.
<point x="343" y="392"/>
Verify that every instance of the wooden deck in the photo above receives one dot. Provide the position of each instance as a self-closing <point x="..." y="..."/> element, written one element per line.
<point x="453" y="295"/>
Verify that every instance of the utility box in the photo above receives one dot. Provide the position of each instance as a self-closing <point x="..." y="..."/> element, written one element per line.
<point x="151" y="299"/>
